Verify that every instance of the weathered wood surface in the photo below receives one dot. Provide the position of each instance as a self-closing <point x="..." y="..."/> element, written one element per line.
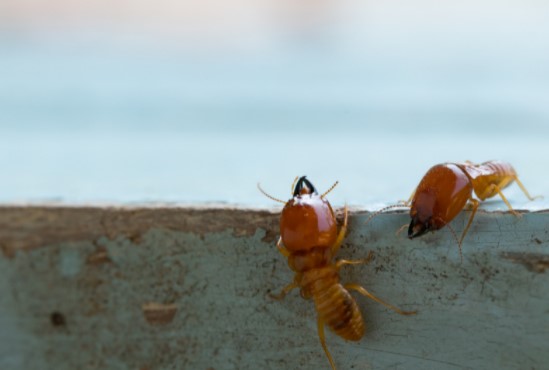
<point x="181" y="288"/>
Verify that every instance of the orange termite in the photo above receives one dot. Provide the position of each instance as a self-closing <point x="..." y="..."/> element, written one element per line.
<point x="446" y="188"/>
<point x="310" y="240"/>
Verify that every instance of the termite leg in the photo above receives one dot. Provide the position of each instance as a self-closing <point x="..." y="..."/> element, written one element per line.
<point x="283" y="251"/>
<point x="366" y="260"/>
<point x="342" y="232"/>
<point x="280" y="296"/>
<point x="526" y="191"/>
<point x="474" y="203"/>
<point x="322" y="338"/>
<point x="365" y="293"/>
<point x="496" y="189"/>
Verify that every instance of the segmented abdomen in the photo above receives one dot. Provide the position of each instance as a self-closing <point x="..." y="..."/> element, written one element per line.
<point x="498" y="173"/>
<point x="500" y="169"/>
<point x="338" y="309"/>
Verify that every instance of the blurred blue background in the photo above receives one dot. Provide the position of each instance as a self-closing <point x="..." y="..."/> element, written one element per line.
<point x="179" y="101"/>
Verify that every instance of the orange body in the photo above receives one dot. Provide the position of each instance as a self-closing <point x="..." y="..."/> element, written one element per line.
<point x="308" y="230"/>
<point x="446" y="188"/>
<point x="310" y="240"/>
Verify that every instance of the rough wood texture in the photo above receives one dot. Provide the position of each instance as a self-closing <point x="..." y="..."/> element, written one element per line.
<point x="181" y="288"/>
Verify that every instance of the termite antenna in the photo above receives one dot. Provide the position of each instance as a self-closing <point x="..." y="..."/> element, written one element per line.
<point x="269" y="196"/>
<point x="293" y="185"/>
<point x="457" y="241"/>
<point x="329" y="190"/>
<point x="374" y="214"/>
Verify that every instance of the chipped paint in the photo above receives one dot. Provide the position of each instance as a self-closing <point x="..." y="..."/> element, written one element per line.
<point x="98" y="257"/>
<point x="536" y="262"/>
<point x="159" y="313"/>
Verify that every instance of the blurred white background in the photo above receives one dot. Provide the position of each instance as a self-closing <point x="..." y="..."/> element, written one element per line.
<point x="179" y="101"/>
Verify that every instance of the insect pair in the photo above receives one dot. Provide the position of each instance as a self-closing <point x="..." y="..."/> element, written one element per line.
<point x="310" y="240"/>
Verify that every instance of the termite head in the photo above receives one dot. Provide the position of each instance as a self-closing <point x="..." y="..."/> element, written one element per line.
<point x="424" y="219"/>
<point x="307" y="220"/>
<point x="439" y="197"/>
<point x="422" y="212"/>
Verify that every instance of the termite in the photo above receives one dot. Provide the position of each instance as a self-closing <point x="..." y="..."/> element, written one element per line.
<point x="309" y="238"/>
<point x="446" y="188"/>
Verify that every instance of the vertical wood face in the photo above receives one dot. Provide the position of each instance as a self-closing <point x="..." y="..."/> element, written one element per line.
<point x="160" y="289"/>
